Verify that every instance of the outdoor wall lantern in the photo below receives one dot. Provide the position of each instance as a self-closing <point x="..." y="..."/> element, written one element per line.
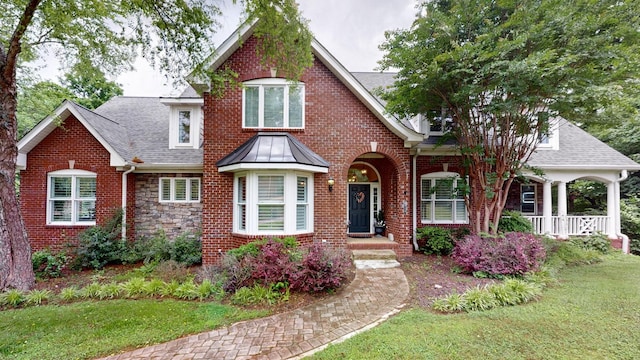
<point x="331" y="182"/>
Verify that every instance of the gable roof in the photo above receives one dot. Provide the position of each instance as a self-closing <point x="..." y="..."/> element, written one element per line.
<point x="127" y="127"/>
<point x="102" y="129"/>
<point x="580" y="150"/>
<point x="234" y="41"/>
<point x="273" y="150"/>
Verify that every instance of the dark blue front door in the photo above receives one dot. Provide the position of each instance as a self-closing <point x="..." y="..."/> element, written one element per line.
<point x="359" y="208"/>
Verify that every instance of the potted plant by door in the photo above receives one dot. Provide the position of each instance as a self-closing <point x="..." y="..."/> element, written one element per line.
<point x="379" y="225"/>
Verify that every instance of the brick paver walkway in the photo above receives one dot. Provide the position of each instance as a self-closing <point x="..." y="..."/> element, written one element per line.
<point x="371" y="297"/>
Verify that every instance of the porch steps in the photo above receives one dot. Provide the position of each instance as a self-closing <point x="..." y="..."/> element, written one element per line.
<point x="374" y="259"/>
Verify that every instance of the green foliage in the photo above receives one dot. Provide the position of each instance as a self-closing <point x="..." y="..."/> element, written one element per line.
<point x="12" y="297"/>
<point x="37" y="101"/>
<point x="437" y="240"/>
<point x="479" y="299"/>
<point x="566" y="253"/>
<point x="513" y="221"/>
<point x="630" y="222"/>
<point x="89" y="85"/>
<point x="185" y="249"/>
<point x="47" y="264"/>
<point x="110" y="290"/>
<point x="101" y="244"/>
<point x="598" y="242"/>
<point x="260" y="294"/>
<point x="501" y="70"/>
<point x="253" y="248"/>
<point x="133" y="288"/>
<point x="452" y="303"/>
<point x="91" y="291"/>
<point x="188" y="290"/>
<point x="70" y="294"/>
<point x="38" y="297"/>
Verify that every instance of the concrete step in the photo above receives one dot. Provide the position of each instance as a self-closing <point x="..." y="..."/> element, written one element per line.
<point x="375" y="259"/>
<point x="371" y="254"/>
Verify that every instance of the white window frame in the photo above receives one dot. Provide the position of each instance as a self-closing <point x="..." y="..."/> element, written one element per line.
<point x="251" y="203"/>
<point x="75" y="199"/>
<point x="194" y="127"/>
<point x="431" y="198"/>
<point x="190" y="181"/>
<point x="550" y="141"/>
<point x="272" y="82"/>
<point x="426" y="123"/>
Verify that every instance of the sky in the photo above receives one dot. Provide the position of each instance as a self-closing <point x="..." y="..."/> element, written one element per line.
<point x="350" y="29"/>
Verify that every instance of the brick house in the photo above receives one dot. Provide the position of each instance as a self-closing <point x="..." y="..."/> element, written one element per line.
<point x="315" y="159"/>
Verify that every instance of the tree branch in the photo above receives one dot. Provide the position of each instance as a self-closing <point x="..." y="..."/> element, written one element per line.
<point x="14" y="44"/>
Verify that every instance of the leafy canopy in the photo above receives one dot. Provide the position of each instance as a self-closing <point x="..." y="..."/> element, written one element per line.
<point x="501" y="69"/>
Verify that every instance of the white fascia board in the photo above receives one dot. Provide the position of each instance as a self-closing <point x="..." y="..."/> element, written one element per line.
<point x="182" y="101"/>
<point x="589" y="167"/>
<point x="273" y="166"/>
<point x="222" y="53"/>
<point x="46" y="126"/>
<point x="411" y="137"/>
<point x="168" y="168"/>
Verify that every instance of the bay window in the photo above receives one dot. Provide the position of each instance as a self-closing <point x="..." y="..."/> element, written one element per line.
<point x="273" y="203"/>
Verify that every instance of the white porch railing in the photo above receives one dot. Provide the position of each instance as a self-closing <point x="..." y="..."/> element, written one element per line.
<point x="575" y="225"/>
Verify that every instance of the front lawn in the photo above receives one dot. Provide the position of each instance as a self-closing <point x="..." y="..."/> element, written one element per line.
<point x="593" y="314"/>
<point x="98" y="328"/>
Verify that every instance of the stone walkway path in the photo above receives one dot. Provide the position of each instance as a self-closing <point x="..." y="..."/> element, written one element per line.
<point x="372" y="296"/>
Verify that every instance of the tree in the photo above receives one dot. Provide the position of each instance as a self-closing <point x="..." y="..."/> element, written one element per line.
<point x="503" y="70"/>
<point x="89" y="85"/>
<point x="174" y="35"/>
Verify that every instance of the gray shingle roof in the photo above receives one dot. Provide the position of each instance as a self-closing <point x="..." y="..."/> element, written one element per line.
<point x="269" y="148"/>
<point x="142" y="131"/>
<point x="579" y="149"/>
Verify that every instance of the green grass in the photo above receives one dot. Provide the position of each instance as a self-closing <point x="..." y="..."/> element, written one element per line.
<point x="593" y="314"/>
<point x="89" y="329"/>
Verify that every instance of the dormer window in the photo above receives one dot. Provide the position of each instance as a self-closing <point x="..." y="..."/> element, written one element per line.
<point x="184" y="127"/>
<point x="436" y="122"/>
<point x="272" y="103"/>
<point x="551" y="139"/>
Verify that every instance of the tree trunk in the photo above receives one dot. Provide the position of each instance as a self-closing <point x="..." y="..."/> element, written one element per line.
<point x="16" y="270"/>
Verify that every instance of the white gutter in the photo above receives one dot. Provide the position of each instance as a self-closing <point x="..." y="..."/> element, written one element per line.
<point x="624" y="174"/>
<point x="414" y="200"/>
<point x="124" y="201"/>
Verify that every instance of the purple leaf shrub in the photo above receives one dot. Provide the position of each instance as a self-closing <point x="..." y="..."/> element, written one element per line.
<point x="512" y="254"/>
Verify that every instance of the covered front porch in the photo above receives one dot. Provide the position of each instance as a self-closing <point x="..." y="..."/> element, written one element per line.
<point x="554" y="218"/>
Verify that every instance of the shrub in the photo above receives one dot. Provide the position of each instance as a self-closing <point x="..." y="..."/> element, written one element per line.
<point x="511" y="254"/>
<point x="272" y="264"/>
<point x="598" y="242"/>
<point x="479" y="299"/>
<point x="12" y="298"/>
<point x="322" y="268"/>
<point x="513" y="221"/>
<point x="259" y="294"/>
<point x="70" y="294"/>
<point x="630" y="222"/>
<point x="47" y="264"/>
<point x="566" y="253"/>
<point x="171" y="270"/>
<point x="134" y="287"/>
<point x="101" y="245"/>
<point x="452" y="303"/>
<point x="437" y="240"/>
<point x="187" y="249"/>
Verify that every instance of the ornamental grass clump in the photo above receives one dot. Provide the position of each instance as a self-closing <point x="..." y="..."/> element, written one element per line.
<point x="499" y="256"/>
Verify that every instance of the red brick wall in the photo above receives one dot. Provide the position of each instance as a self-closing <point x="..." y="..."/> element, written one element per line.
<point x="72" y="141"/>
<point x="338" y="127"/>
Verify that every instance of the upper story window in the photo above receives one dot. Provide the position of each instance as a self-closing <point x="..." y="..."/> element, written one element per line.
<point x="436" y="122"/>
<point x="179" y="190"/>
<point x="184" y="128"/>
<point x="71" y="197"/>
<point x="441" y="201"/>
<point x="551" y="139"/>
<point x="272" y="103"/>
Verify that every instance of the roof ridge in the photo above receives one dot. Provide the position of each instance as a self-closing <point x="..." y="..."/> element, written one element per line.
<point x="94" y="113"/>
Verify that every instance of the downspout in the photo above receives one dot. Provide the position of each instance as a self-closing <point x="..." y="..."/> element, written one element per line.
<point x="124" y="201"/>
<point x="414" y="199"/>
<point x="624" y="174"/>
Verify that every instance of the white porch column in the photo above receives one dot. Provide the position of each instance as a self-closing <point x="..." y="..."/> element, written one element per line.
<point x="612" y="210"/>
<point x="547" y="206"/>
<point x="562" y="210"/>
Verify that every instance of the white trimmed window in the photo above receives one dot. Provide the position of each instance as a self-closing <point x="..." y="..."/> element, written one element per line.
<point x="179" y="189"/>
<point x="436" y="122"/>
<point x="273" y="203"/>
<point x="184" y="128"/>
<point x="71" y="197"/>
<point x="272" y="103"/>
<point x="440" y="200"/>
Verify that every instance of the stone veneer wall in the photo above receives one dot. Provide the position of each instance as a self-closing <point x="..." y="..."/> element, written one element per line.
<point x="151" y="215"/>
